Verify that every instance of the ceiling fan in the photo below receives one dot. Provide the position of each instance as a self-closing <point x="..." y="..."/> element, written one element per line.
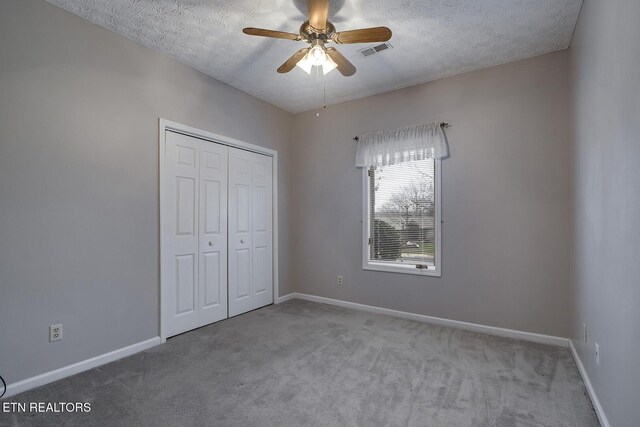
<point x="317" y="31"/>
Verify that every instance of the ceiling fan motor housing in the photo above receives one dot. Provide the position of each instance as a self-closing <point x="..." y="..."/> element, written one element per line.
<point x="308" y="33"/>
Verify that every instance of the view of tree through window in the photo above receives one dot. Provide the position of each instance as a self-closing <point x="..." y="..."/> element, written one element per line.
<point x="403" y="213"/>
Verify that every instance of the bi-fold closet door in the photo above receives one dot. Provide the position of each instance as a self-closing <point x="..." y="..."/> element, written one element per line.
<point x="250" y="231"/>
<point x="217" y="199"/>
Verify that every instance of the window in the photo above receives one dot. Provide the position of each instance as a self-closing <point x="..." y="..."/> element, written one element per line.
<point x="401" y="221"/>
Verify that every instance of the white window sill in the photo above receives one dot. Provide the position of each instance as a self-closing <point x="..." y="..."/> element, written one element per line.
<point x="402" y="269"/>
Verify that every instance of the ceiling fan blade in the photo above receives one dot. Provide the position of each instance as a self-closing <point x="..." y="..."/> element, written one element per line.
<point x="345" y="67"/>
<point x="271" y="33"/>
<point x="318" y="13"/>
<point x="365" y="35"/>
<point x="291" y="62"/>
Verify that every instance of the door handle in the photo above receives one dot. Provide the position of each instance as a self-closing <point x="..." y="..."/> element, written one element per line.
<point x="241" y="240"/>
<point x="211" y="243"/>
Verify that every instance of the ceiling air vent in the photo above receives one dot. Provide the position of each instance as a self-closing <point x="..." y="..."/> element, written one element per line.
<point x="368" y="51"/>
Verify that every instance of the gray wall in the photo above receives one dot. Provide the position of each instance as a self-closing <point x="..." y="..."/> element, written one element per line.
<point x="79" y="110"/>
<point x="605" y="62"/>
<point x="505" y="198"/>
<point x="78" y="191"/>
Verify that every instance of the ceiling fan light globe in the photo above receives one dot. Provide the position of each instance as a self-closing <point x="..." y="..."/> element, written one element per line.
<point x="328" y="65"/>
<point x="317" y="55"/>
<point x="305" y="64"/>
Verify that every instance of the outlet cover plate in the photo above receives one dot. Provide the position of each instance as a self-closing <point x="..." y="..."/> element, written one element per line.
<point x="55" y="332"/>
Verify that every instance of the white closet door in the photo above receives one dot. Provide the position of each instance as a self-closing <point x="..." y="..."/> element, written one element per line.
<point x="262" y="222"/>
<point x="181" y="234"/>
<point x="195" y="233"/>
<point x="250" y="231"/>
<point x="212" y="295"/>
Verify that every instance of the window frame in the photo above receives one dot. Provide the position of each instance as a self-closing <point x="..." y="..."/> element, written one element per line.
<point x="389" y="267"/>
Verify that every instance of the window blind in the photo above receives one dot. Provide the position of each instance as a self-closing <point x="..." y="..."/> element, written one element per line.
<point x="402" y="213"/>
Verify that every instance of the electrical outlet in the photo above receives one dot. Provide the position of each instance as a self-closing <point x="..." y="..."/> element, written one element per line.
<point x="55" y="332"/>
<point x="584" y="331"/>
<point x="597" y="354"/>
<point x="340" y="280"/>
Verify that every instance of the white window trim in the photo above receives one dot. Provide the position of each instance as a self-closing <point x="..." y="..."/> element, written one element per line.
<point x="434" y="271"/>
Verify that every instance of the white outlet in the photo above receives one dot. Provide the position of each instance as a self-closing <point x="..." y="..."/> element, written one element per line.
<point x="55" y="332"/>
<point x="584" y="331"/>
<point x="597" y="354"/>
<point x="340" y="280"/>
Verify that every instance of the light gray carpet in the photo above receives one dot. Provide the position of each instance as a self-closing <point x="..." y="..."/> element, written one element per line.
<point x="307" y="364"/>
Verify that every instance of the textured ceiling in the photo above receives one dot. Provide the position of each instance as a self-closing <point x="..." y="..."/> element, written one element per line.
<point x="431" y="39"/>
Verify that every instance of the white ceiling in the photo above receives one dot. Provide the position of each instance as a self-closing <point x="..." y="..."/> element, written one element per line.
<point x="431" y="39"/>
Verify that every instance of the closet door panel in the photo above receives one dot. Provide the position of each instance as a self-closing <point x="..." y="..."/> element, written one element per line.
<point x="250" y="231"/>
<point x="262" y="222"/>
<point x="240" y="248"/>
<point x="180" y="254"/>
<point x="212" y="302"/>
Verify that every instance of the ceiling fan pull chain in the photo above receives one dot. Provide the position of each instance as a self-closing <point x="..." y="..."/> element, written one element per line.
<point x="324" y="91"/>
<point x="317" y="70"/>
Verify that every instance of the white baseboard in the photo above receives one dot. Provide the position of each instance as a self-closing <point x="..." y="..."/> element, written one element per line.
<point x="474" y="327"/>
<point x="76" y="368"/>
<point x="286" y="297"/>
<point x="602" y="417"/>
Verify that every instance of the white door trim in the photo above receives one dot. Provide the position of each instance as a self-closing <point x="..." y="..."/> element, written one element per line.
<point x="165" y="125"/>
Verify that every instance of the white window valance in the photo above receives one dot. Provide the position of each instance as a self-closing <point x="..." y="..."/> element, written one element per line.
<point x="389" y="147"/>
